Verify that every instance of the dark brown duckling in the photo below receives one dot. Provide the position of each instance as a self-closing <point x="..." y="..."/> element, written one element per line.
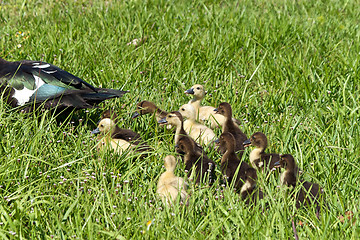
<point x="204" y="166"/>
<point x="229" y="126"/>
<point x="110" y="114"/>
<point x="176" y="119"/>
<point x="230" y="161"/>
<point x="249" y="192"/>
<point x="309" y="192"/>
<point x="258" y="157"/>
<point x="146" y="107"/>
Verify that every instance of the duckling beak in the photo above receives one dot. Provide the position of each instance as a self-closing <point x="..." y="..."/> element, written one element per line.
<point x="277" y="164"/>
<point x="217" y="141"/>
<point x="95" y="131"/>
<point x="176" y="146"/>
<point x="216" y="110"/>
<point x="163" y="121"/>
<point x="247" y="143"/>
<point x="135" y="115"/>
<point x="189" y="91"/>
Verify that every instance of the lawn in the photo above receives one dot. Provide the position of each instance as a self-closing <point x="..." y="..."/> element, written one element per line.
<point x="289" y="69"/>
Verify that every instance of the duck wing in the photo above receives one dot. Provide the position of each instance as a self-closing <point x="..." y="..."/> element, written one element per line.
<point x="41" y="82"/>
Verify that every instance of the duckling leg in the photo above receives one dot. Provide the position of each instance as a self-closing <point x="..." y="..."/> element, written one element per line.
<point x="294" y="229"/>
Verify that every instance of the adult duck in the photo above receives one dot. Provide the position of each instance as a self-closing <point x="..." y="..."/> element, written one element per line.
<point x="35" y="84"/>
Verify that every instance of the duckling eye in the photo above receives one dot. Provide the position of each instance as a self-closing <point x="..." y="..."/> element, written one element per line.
<point x="198" y="88"/>
<point x="183" y="109"/>
<point x="101" y="125"/>
<point x="169" y="116"/>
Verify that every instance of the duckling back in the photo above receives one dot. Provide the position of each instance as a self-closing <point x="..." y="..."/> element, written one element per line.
<point x="169" y="185"/>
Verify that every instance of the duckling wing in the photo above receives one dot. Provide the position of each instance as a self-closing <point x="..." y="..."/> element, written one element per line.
<point x="269" y="159"/>
<point x="125" y="134"/>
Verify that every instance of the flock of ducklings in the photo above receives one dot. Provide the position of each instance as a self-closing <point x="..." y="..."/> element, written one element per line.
<point x="191" y="135"/>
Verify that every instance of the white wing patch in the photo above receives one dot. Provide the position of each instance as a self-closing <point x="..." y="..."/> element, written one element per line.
<point x="37" y="65"/>
<point x="23" y="95"/>
<point x="49" y="72"/>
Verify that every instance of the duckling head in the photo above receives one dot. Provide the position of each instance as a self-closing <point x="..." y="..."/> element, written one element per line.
<point x="173" y="118"/>
<point x="185" y="145"/>
<point x="111" y="114"/>
<point x="287" y="161"/>
<point x="227" y="141"/>
<point x="224" y="108"/>
<point x="258" y="139"/>
<point x="143" y="108"/>
<point x="188" y="111"/>
<point x="170" y="163"/>
<point x="197" y="90"/>
<point x="105" y="126"/>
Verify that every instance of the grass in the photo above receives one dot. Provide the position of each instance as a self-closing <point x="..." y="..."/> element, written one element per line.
<point x="289" y="69"/>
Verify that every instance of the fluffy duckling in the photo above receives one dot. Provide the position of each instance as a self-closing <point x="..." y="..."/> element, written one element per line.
<point x="175" y="118"/>
<point x="197" y="131"/>
<point x="230" y="161"/>
<point x="146" y="107"/>
<point x="248" y="191"/>
<point x="224" y="109"/>
<point x="37" y="84"/>
<point x="258" y="157"/>
<point x="205" y="113"/>
<point x="204" y="166"/>
<point x="110" y="114"/>
<point x="169" y="185"/>
<point x="309" y="192"/>
<point x="118" y="138"/>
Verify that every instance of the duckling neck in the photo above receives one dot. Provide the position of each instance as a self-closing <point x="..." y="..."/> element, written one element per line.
<point x="228" y="155"/>
<point x="228" y="122"/>
<point x="284" y="175"/>
<point x="167" y="175"/>
<point x="188" y="124"/>
<point x="179" y="132"/>
<point x="256" y="154"/>
<point x="196" y="103"/>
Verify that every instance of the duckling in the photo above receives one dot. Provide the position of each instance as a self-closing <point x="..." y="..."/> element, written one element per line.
<point x="205" y="113"/>
<point x="146" y="107"/>
<point x="175" y="118"/>
<point x="169" y="185"/>
<point x="248" y="191"/>
<point x="230" y="161"/>
<point x="118" y="138"/>
<point x="35" y="84"/>
<point x="110" y="113"/>
<point x="309" y="192"/>
<point x="225" y="110"/>
<point x="204" y="166"/>
<point x="258" y="157"/>
<point x="197" y="131"/>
